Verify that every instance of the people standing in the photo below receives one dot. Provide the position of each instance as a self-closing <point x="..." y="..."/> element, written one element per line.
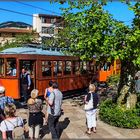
<point x="54" y="110"/>
<point x="3" y="101"/>
<point x="35" y="114"/>
<point x="25" y="82"/>
<point x="11" y="121"/>
<point x="92" y="97"/>
<point x="47" y="93"/>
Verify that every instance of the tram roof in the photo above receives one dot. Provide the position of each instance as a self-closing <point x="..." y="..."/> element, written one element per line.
<point x="28" y="50"/>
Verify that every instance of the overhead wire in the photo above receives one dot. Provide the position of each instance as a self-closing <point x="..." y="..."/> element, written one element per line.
<point x="25" y="14"/>
<point x="30" y="15"/>
<point x="21" y="13"/>
<point x="36" y="7"/>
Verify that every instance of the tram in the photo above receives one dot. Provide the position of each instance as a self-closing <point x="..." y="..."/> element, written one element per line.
<point x="43" y="65"/>
<point x="107" y="69"/>
<point x="50" y="64"/>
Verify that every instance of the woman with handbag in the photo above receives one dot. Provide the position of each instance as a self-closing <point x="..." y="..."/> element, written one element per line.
<point x="35" y="114"/>
<point x="91" y="102"/>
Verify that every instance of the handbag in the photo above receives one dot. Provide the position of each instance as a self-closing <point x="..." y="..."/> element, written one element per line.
<point x="89" y="105"/>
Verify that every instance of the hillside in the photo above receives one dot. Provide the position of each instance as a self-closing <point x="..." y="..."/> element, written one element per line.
<point x="10" y="24"/>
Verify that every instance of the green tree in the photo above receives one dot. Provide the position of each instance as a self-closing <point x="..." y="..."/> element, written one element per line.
<point x="93" y="31"/>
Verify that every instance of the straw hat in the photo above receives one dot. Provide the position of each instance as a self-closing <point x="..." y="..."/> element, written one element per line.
<point x="34" y="93"/>
<point x="2" y="89"/>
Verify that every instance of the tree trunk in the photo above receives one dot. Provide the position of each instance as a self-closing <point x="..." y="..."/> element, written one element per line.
<point x="127" y="68"/>
<point x="126" y="85"/>
<point x="123" y="76"/>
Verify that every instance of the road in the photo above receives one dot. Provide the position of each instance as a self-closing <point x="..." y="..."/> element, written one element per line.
<point x="73" y="125"/>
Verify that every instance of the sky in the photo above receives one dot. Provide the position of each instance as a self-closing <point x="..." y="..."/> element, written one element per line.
<point x="119" y="10"/>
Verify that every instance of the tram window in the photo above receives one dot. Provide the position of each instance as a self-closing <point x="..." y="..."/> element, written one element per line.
<point x="88" y="66"/>
<point x="11" y="67"/>
<point x="29" y="65"/>
<point x="81" y="67"/>
<point x="67" y="67"/>
<point x="46" y="68"/>
<point x="76" y="67"/>
<point x="1" y="67"/>
<point x="57" y="68"/>
<point x="105" y="66"/>
<point x="91" y="66"/>
<point x="84" y="70"/>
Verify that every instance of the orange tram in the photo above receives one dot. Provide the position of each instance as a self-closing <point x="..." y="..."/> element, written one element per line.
<point x="44" y="65"/>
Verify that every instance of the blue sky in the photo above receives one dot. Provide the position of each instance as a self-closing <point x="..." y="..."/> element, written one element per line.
<point x="118" y="10"/>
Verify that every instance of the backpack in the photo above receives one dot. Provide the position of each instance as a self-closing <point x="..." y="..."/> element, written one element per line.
<point x="2" y="115"/>
<point x="18" y="131"/>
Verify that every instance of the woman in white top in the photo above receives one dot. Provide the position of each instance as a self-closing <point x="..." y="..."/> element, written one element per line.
<point x="91" y="97"/>
<point x="7" y="126"/>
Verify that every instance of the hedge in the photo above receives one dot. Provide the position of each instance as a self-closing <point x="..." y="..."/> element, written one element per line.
<point x="116" y="116"/>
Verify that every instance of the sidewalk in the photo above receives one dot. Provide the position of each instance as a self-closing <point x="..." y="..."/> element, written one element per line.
<point x="73" y="126"/>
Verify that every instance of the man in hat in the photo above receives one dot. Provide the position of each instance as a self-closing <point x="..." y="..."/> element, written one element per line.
<point x="3" y="101"/>
<point x="25" y="81"/>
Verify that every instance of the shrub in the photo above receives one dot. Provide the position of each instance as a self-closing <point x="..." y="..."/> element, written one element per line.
<point x="113" y="79"/>
<point x="115" y="116"/>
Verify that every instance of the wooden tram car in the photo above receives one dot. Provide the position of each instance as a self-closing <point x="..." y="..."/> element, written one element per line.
<point x="43" y="66"/>
<point x="111" y="69"/>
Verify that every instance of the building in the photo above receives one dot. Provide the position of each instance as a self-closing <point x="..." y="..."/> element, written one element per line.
<point x="47" y="25"/>
<point x="10" y="29"/>
<point x="9" y="34"/>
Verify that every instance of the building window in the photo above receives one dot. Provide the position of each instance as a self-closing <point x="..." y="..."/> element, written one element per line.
<point x="46" y="68"/>
<point x="43" y="20"/>
<point x="48" y="30"/>
<point x="1" y="67"/>
<point x="67" y="67"/>
<point x="53" y="20"/>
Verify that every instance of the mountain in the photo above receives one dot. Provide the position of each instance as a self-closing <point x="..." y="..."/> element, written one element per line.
<point x="10" y="24"/>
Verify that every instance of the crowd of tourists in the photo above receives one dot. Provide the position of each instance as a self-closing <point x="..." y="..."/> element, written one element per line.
<point x="13" y="127"/>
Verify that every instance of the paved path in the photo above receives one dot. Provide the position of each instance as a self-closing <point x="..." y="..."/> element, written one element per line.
<point x="72" y="125"/>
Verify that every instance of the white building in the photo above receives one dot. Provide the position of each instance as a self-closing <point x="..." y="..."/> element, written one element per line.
<point x="47" y="25"/>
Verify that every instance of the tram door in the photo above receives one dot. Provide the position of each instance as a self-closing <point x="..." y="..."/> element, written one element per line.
<point x="31" y="69"/>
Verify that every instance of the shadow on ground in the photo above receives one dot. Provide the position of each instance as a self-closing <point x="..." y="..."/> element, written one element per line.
<point x="61" y="126"/>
